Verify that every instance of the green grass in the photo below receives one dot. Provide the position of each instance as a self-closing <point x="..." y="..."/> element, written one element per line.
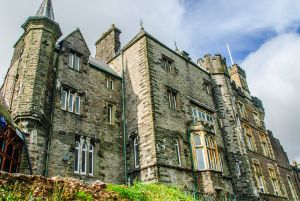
<point x="149" y="192"/>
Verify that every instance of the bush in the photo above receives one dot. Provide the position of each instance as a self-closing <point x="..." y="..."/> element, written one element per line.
<point x="149" y="192"/>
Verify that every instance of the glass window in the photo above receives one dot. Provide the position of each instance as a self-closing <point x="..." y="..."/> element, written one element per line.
<point x="76" y="157"/>
<point x="71" y="96"/>
<point x="172" y="99"/>
<point x="77" y="105"/>
<point x="293" y="192"/>
<point x="200" y="158"/>
<point x="91" y="160"/>
<point x="74" y="61"/>
<point x="64" y="95"/>
<point x="136" y="153"/>
<point x="168" y="64"/>
<point x="177" y="150"/>
<point x="109" y="113"/>
<point x="83" y="159"/>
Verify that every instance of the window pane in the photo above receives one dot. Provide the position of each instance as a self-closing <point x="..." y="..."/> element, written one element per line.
<point x="136" y="153"/>
<point x="77" y="105"/>
<point x="63" y="100"/>
<point x="200" y="158"/>
<point x="91" y="158"/>
<point x="71" y="96"/>
<point x="76" y="62"/>
<point x="198" y="141"/>
<point x="71" y="58"/>
<point x="76" y="157"/>
<point x="83" y="158"/>
<point x="109" y="114"/>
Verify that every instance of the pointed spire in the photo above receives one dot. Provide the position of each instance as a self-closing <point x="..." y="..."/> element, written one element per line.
<point x="46" y="10"/>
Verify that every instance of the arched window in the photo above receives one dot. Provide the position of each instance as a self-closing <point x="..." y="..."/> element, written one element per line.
<point x="76" y="157"/>
<point x="83" y="159"/>
<point x="293" y="192"/>
<point x="91" y="160"/>
<point x="136" y="153"/>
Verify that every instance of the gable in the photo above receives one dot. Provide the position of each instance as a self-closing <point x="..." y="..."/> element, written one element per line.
<point x="76" y="42"/>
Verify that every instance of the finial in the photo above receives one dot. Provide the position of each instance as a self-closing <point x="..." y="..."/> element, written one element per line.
<point x="176" y="48"/>
<point x="46" y="10"/>
<point x="141" y="24"/>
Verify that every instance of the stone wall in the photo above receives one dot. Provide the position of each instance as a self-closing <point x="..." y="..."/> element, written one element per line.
<point x="92" y="122"/>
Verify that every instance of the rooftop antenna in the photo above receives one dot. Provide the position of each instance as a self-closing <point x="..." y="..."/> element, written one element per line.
<point x="141" y="24"/>
<point x="229" y="54"/>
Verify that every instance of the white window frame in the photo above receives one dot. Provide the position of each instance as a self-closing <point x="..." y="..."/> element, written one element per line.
<point x="177" y="149"/>
<point x="64" y="103"/>
<point x="71" y="101"/>
<point x="74" y="61"/>
<point x="77" y="108"/>
<point x="78" y="148"/>
<point x="136" y="152"/>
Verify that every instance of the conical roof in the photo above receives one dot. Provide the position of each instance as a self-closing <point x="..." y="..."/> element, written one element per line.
<point x="46" y="10"/>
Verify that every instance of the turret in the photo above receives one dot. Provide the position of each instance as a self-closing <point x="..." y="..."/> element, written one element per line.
<point x="30" y="82"/>
<point x="108" y="45"/>
<point x="238" y="75"/>
<point x="213" y="64"/>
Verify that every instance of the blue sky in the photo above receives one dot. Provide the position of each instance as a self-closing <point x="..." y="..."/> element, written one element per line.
<point x="264" y="37"/>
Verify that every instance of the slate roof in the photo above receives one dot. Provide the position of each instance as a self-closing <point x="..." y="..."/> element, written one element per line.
<point x="102" y="66"/>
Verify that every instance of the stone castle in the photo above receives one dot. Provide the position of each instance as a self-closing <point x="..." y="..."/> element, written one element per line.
<point x="141" y="112"/>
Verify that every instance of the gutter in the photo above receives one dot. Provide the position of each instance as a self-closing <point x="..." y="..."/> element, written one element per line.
<point x="124" y="121"/>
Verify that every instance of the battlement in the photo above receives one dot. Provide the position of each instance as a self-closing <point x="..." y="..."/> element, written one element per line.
<point x="236" y="69"/>
<point x="257" y="102"/>
<point x="213" y="64"/>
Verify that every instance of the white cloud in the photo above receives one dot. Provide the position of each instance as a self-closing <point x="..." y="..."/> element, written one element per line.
<point x="273" y="74"/>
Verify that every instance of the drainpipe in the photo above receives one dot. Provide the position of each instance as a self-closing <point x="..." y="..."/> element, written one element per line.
<point x="193" y="168"/>
<point x="51" y="117"/>
<point x="124" y="121"/>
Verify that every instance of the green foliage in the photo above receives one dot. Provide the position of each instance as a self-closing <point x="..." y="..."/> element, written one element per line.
<point x="149" y="192"/>
<point x="81" y="195"/>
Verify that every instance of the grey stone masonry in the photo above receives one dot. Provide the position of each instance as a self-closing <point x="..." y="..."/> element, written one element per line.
<point x="108" y="44"/>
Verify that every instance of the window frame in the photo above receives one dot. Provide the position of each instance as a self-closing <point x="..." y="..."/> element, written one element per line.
<point x="168" y="64"/>
<point x="68" y="101"/>
<point x="177" y="149"/>
<point x="136" y="152"/>
<point x="74" y="61"/>
<point x="209" y="150"/>
<point x="91" y="160"/>
<point x="172" y="98"/>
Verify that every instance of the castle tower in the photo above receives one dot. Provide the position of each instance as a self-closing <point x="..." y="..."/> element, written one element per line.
<point x="28" y="85"/>
<point x="108" y="45"/>
<point x="238" y="75"/>
<point x="239" y="164"/>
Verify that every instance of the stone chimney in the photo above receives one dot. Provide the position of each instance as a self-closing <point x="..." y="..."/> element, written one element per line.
<point x="108" y="45"/>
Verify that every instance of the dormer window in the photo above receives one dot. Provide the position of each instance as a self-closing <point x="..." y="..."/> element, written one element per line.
<point x="74" y="61"/>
